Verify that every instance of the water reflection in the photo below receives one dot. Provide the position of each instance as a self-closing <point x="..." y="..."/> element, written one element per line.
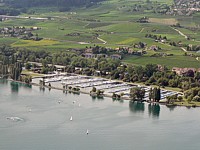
<point x="3" y="81"/>
<point x="154" y="110"/>
<point x="118" y="100"/>
<point x="136" y="107"/>
<point x="171" y="107"/>
<point x="26" y="85"/>
<point x="42" y="89"/>
<point x="14" y="87"/>
<point x="99" y="98"/>
<point x="139" y="107"/>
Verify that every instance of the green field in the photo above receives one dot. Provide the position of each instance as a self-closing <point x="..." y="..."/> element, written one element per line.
<point x="113" y="22"/>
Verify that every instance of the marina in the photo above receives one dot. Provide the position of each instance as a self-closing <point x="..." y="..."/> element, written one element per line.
<point x="86" y="83"/>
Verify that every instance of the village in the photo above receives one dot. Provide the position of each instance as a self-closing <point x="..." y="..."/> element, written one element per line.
<point x="20" y="32"/>
<point x="185" y="7"/>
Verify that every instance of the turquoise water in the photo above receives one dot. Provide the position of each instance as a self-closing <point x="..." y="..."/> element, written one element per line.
<point x="32" y="119"/>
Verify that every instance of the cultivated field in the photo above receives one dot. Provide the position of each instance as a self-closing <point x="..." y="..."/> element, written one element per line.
<point x="111" y="24"/>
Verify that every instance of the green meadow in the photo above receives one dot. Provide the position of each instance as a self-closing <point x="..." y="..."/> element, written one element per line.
<point x="109" y="24"/>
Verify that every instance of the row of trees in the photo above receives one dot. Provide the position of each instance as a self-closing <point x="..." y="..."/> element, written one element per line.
<point x="138" y="93"/>
<point x="9" y="67"/>
<point x="156" y="37"/>
<point x="193" y="94"/>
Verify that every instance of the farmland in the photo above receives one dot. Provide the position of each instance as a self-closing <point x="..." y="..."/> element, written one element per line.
<point x="111" y="24"/>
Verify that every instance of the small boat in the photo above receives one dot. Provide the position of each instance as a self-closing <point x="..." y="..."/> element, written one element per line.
<point x="87" y="132"/>
<point x="79" y="105"/>
<point x="59" y="102"/>
<point x="30" y="110"/>
<point x="71" y="118"/>
<point x="74" y="102"/>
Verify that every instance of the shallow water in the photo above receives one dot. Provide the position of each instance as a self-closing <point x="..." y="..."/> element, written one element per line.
<point x="42" y="122"/>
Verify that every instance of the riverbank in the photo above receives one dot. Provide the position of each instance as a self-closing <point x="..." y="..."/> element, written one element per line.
<point x="183" y="103"/>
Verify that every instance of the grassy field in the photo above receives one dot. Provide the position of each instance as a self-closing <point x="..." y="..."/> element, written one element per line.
<point x="32" y="74"/>
<point x="167" y="21"/>
<point x="169" y="61"/>
<point x="113" y="22"/>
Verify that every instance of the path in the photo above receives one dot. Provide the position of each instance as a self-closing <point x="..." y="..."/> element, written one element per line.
<point x="104" y="42"/>
<point x="141" y="30"/>
<point x="181" y="33"/>
<point x="184" y="49"/>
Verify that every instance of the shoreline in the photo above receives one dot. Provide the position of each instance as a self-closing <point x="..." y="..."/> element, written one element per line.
<point x="105" y="95"/>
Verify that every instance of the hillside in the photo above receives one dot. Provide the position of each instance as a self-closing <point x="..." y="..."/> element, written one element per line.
<point x="142" y="27"/>
<point x="16" y="7"/>
<point x="36" y="3"/>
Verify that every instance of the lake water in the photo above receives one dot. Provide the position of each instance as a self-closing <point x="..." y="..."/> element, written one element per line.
<point x="33" y="119"/>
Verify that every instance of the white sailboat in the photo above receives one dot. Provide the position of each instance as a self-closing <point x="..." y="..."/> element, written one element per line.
<point x="71" y="118"/>
<point x="87" y="132"/>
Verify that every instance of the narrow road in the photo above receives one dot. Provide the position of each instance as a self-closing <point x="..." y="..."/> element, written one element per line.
<point x="181" y="33"/>
<point x="104" y="42"/>
<point x="184" y="49"/>
<point x="141" y="30"/>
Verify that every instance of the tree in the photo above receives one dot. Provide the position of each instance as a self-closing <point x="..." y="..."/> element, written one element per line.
<point x="137" y="93"/>
<point x="196" y="98"/>
<point x="150" y="94"/>
<point x="94" y="90"/>
<point x="189" y="73"/>
<point x="150" y="69"/>
<point x="28" y="66"/>
<point x="156" y="94"/>
<point x="180" y="98"/>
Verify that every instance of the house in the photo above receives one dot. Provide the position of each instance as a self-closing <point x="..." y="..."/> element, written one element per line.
<point x="35" y="28"/>
<point x="161" y="68"/>
<point x="163" y="41"/>
<point x="78" y="68"/>
<point x="154" y="48"/>
<point x="89" y="55"/>
<point x="59" y="68"/>
<point x="130" y="51"/>
<point x="143" y="20"/>
<point x="138" y="53"/>
<point x="181" y="71"/>
<point x="116" y="56"/>
<point x="102" y="55"/>
<point x="97" y="73"/>
<point x="88" y="50"/>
